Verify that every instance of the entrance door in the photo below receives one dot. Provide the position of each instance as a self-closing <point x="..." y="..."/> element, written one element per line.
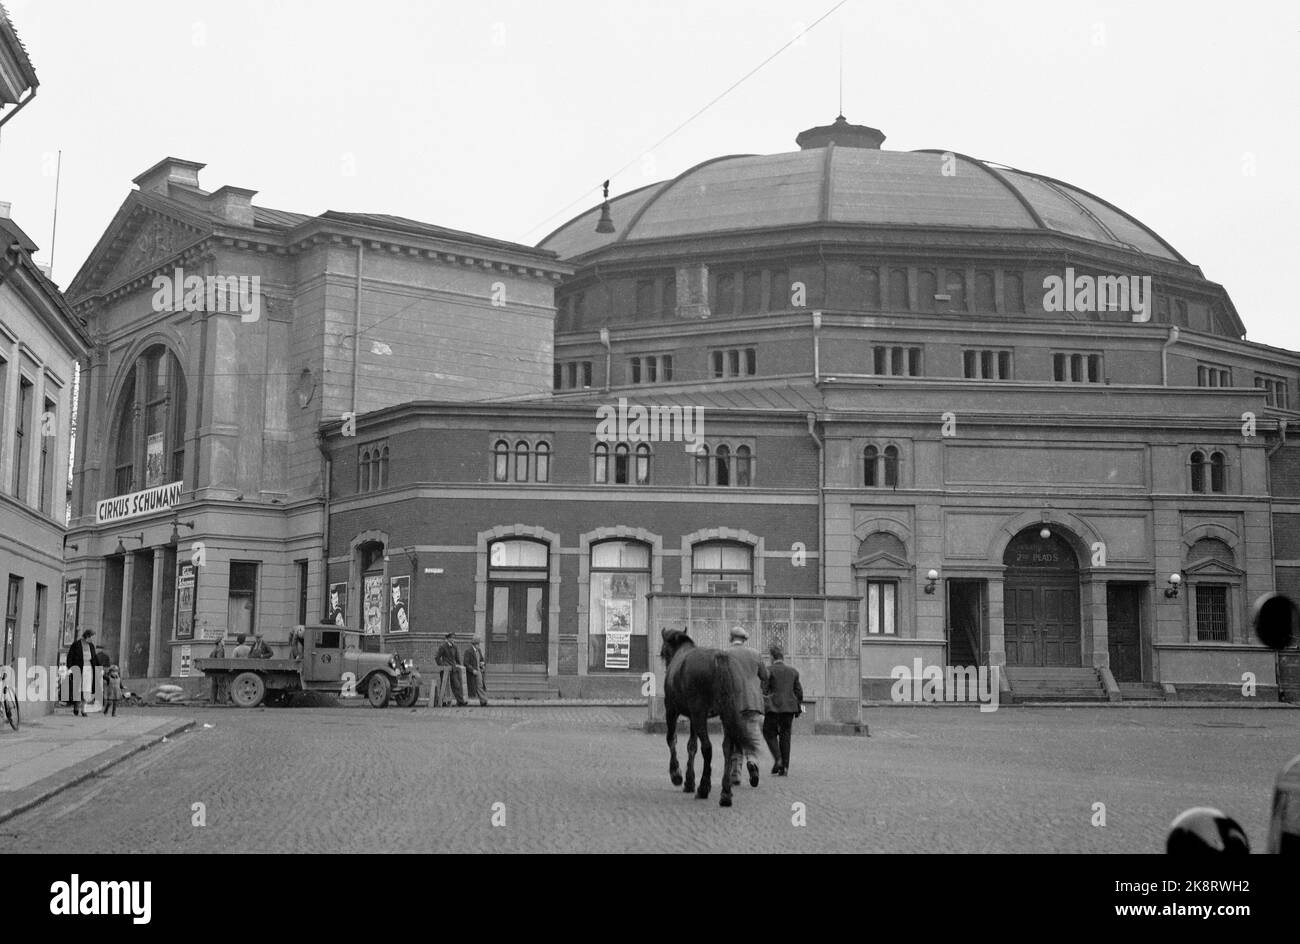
<point x="517" y="626"/>
<point x="1041" y="601"/>
<point x="1124" y="631"/>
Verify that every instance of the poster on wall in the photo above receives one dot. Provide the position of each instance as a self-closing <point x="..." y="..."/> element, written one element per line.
<point x="186" y="661"/>
<point x="338" y="608"/>
<point x="618" y="633"/>
<point x="153" y="460"/>
<point x="399" y="614"/>
<point x="186" y="578"/>
<point x="373" y="609"/>
<point x="71" y="612"/>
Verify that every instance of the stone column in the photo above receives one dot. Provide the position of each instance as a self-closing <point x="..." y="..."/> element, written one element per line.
<point x="156" y="614"/>
<point x="997" y="629"/>
<point x="124" y="634"/>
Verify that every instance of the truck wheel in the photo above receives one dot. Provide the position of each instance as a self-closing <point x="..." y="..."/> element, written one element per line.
<point x="409" y="697"/>
<point x="378" y="689"/>
<point x="247" y="690"/>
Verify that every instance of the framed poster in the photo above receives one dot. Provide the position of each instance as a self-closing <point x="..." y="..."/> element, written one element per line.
<point x="338" y="607"/>
<point x="187" y="660"/>
<point x="154" y="460"/>
<point x="373" y="605"/>
<point x="618" y="633"/>
<point x="399" y="606"/>
<point x="71" y="612"/>
<point x="187" y="575"/>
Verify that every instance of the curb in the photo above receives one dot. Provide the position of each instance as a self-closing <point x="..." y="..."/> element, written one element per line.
<point x="1257" y="706"/>
<point x="56" y="783"/>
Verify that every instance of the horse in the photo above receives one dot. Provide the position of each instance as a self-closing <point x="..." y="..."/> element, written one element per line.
<point x="702" y="683"/>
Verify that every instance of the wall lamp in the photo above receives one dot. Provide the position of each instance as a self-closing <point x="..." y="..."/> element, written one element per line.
<point x="176" y="525"/>
<point x="933" y="577"/>
<point x="1171" y="592"/>
<point x="121" y="548"/>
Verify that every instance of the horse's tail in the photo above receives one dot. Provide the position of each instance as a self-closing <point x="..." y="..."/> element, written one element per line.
<point x="733" y="725"/>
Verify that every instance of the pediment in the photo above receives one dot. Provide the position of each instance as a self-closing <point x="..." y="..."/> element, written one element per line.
<point x="882" y="560"/>
<point x="1208" y="568"/>
<point x="138" y="240"/>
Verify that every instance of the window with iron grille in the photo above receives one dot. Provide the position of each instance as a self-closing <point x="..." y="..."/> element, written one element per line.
<point x="1212" y="612"/>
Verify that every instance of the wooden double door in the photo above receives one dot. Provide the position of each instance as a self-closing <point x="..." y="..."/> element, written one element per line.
<point x="1041" y="622"/>
<point x="517" y="625"/>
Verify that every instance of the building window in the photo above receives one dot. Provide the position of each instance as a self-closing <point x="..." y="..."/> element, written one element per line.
<point x="301" y="567"/>
<point x="651" y="368"/>
<point x="542" y="462"/>
<point x="620" y="580"/>
<point x="642" y="464"/>
<point x="622" y="459"/>
<point x="702" y="465"/>
<point x="870" y="288"/>
<point x="880" y="467"/>
<point x="521" y="461"/>
<point x="600" y="464"/>
<point x="1211" y="375"/>
<point x="13" y="612"/>
<point x="898" y="292"/>
<point x="629" y="467"/>
<point x="896" y="361"/>
<point x="1212" y="612"/>
<point x="645" y="298"/>
<point x="242" y="606"/>
<point x="927" y="286"/>
<point x="1013" y="292"/>
<point x="557" y="376"/>
<point x="725" y="294"/>
<point x="870" y="466"/>
<point x="577" y="374"/>
<point x="891" y="466"/>
<point x="985" y="292"/>
<point x="22" y="434"/>
<point x="372" y="467"/>
<point x="722" y="465"/>
<point x="1218" y="475"/>
<point x="501" y="461"/>
<point x="670" y="295"/>
<point x="722" y="567"/>
<point x="1076" y="368"/>
<point x="154" y="394"/>
<point x="734" y="362"/>
<point x="955" y="288"/>
<point x="635" y="366"/>
<point x="528" y="460"/>
<point x="725" y="465"/>
<point x="49" y="425"/>
<point x="986" y="365"/>
<point x="1198" y="471"/>
<point x="1215" y="465"/>
<point x="882" y="608"/>
<point x="752" y="294"/>
<point x="1275" y="391"/>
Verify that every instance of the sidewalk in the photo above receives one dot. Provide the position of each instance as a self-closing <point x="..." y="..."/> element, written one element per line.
<point x="52" y="753"/>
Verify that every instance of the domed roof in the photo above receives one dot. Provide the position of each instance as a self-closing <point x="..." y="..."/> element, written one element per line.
<point x="842" y="176"/>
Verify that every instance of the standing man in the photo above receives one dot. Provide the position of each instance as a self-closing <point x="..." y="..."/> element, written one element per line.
<point x="784" y="704"/>
<point x="449" y="655"/>
<point x="476" y="669"/>
<point x="242" y="647"/>
<point x="82" y="657"/>
<point x="754" y="674"/>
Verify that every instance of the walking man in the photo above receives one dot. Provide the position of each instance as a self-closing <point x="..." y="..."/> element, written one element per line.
<point x="448" y="655"/>
<point x="783" y="704"/>
<point x="476" y="670"/>
<point x="83" y="658"/>
<point x="755" y="680"/>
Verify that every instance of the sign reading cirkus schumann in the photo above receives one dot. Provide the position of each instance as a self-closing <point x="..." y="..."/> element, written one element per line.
<point x="122" y="507"/>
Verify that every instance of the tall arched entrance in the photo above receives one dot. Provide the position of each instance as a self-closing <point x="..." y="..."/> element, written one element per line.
<point x="1041" y="600"/>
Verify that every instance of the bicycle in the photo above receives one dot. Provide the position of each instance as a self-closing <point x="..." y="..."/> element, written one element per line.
<point x="9" y="699"/>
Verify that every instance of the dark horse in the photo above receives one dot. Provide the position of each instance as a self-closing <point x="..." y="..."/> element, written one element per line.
<point x="702" y="683"/>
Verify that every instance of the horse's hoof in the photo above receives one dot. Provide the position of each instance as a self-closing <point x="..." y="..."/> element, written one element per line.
<point x="702" y="793"/>
<point x="690" y="788"/>
<point x="724" y="801"/>
<point x="677" y="779"/>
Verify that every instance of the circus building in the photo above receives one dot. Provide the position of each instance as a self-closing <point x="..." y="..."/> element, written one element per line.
<point x="974" y="414"/>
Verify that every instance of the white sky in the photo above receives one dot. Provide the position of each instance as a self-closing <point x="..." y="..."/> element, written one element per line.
<point x="493" y="116"/>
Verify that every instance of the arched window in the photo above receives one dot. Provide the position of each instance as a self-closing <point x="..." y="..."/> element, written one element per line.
<point x="620" y="580"/>
<point x="521" y="461"/>
<point x="891" y="467"/>
<point x="744" y="463"/>
<point x="870" y="455"/>
<point x="702" y="465"/>
<point x="620" y="464"/>
<point x="381" y="459"/>
<point x="642" y="464"/>
<point x="898" y="290"/>
<point x="722" y="567"/>
<point x="501" y="461"/>
<point x="149" y="444"/>
<point x="722" y="466"/>
<point x="542" y="462"/>
<point x="1218" y="473"/>
<point x="1198" y="471"/>
<point x="363" y="471"/>
<point x="600" y="473"/>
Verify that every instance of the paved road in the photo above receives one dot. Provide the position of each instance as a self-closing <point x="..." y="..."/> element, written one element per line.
<point x="583" y="779"/>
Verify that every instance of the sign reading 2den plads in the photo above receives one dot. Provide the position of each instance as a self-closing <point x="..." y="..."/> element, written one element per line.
<point x="122" y="507"/>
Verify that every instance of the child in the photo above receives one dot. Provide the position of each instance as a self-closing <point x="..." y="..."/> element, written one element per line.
<point x="112" y="690"/>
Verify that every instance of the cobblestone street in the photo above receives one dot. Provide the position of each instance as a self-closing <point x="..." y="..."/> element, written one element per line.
<point x="588" y="780"/>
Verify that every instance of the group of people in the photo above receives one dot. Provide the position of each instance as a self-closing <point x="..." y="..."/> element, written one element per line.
<point x="85" y="658"/>
<point x="773" y="698"/>
<point x="246" y="647"/>
<point x="471" y="669"/>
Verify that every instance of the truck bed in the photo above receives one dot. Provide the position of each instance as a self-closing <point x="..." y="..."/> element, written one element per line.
<point x="248" y="665"/>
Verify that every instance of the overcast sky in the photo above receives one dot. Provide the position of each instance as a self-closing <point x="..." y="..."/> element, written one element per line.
<point x="495" y="116"/>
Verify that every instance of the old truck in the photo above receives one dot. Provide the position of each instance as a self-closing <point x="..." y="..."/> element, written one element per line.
<point x="328" y="659"/>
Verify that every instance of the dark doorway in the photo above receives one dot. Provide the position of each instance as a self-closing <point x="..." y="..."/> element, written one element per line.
<point x="1124" y="630"/>
<point x="110" y="628"/>
<point x="137" y="654"/>
<point x="1041" y="601"/>
<point x="517" y="626"/>
<point x="966" y="621"/>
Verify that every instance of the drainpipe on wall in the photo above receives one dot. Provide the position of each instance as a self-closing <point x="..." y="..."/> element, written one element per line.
<point x="1281" y="432"/>
<point x="327" y="475"/>
<point x="817" y="346"/>
<point x="609" y="356"/>
<point x="356" y="330"/>
<point x="821" y="502"/>
<point x="1164" y="355"/>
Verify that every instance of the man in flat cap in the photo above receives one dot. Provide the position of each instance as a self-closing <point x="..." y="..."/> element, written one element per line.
<point x="755" y="680"/>
<point x="448" y="654"/>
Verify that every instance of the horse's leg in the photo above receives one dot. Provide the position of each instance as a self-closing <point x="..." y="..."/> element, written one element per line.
<point x="706" y="751"/>
<point x="692" y="742"/>
<point x="728" y="764"/>
<point x="674" y="771"/>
